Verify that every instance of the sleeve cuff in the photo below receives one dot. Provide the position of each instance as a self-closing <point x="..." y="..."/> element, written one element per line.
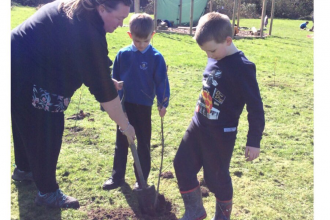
<point x="253" y="142"/>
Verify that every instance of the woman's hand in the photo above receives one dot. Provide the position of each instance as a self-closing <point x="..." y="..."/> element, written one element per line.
<point x="129" y="132"/>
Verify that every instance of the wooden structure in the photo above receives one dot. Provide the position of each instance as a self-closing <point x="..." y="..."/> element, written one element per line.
<point x="236" y="12"/>
<point x="180" y="16"/>
<point x="272" y="16"/>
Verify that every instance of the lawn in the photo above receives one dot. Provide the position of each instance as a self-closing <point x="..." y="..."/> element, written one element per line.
<point x="278" y="185"/>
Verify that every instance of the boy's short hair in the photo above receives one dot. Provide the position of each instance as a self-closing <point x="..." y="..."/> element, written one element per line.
<point x="141" y="25"/>
<point x="213" y="26"/>
<point x="307" y="22"/>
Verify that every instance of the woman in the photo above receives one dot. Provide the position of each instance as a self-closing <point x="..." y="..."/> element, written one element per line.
<point x="53" y="53"/>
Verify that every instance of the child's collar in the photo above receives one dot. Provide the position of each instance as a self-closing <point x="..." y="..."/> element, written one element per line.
<point x="135" y="49"/>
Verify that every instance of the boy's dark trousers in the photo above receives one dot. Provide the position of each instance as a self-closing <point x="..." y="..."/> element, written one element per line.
<point x="37" y="137"/>
<point x="140" y="118"/>
<point x="210" y="148"/>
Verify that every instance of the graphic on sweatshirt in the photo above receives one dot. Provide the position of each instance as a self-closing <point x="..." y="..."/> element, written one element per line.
<point x="205" y="106"/>
<point x="202" y="109"/>
<point x="207" y="100"/>
<point x="218" y="96"/>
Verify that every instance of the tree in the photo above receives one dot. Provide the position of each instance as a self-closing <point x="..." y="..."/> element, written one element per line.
<point x="32" y="3"/>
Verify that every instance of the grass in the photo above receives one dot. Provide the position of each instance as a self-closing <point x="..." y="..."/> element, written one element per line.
<point x="278" y="185"/>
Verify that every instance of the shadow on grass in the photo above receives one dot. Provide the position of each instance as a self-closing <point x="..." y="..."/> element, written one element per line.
<point x="26" y="192"/>
<point x="131" y="198"/>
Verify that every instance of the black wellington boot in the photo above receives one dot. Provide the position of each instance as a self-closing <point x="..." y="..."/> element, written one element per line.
<point x="223" y="210"/>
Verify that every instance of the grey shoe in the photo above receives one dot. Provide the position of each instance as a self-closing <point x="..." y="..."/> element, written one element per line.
<point x="56" y="199"/>
<point x="19" y="175"/>
<point x="110" y="184"/>
<point x="193" y="204"/>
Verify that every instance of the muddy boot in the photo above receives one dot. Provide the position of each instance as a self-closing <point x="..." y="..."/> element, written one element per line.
<point x="222" y="210"/>
<point x="193" y="204"/>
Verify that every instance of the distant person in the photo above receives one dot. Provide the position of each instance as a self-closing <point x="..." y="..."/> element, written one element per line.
<point x="236" y="30"/>
<point x="221" y="10"/>
<point x="169" y="24"/>
<point x="229" y="83"/>
<point x="142" y="68"/>
<point x="303" y="26"/>
<point x="56" y="50"/>
<point x="266" y="21"/>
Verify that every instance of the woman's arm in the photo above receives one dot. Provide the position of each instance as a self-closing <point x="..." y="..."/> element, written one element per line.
<point x="116" y="113"/>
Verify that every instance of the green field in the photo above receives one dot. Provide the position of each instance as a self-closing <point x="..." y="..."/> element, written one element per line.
<point x="278" y="185"/>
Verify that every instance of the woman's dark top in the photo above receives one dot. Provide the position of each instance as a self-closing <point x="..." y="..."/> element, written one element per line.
<point x="59" y="55"/>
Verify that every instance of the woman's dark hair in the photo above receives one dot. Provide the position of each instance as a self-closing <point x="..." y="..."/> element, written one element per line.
<point x="78" y="7"/>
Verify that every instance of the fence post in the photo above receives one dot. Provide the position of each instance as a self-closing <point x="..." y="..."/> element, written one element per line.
<point x="272" y="17"/>
<point x="180" y="12"/>
<point x="234" y="14"/>
<point x="155" y="14"/>
<point x="136" y="6"/>
<point x="238" y="12"/>
<point x="191" y="15"/>
<point x="262" y="18"/>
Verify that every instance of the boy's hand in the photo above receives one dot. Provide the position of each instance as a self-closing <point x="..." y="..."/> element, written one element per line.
<point x="162" y="111"/>
<point x="251" y="153"/>
<point x="118" y="84"/>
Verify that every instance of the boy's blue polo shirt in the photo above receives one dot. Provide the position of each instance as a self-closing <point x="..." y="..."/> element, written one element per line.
<point x="144" y="75"/>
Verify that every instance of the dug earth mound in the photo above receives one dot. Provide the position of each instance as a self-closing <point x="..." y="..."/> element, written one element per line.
<point x="164" y="211"/>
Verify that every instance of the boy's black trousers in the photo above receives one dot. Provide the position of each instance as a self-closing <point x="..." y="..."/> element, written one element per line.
<point x="140" y="118"/>
<point x="37" y="137"/>
<point x="210" y="148"/>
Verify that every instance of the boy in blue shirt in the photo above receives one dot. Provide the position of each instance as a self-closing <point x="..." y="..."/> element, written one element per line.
<point x="229" y="82"/>
<point x="143" y="70"/>
<point x="304" y="25"/>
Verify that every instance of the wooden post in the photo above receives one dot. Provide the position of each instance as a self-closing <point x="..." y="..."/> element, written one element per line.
<point x="234" y="13"/>
<point x="136" y="6"/>
<point x="272" y="16"/>
<point x="238" y="12"/>
<point x="191" y="15"/>
<point x="155" y="14"/>
<point x="180" y="12"/>
<point x="211" y="5"/>
<point x="263" y="17"/>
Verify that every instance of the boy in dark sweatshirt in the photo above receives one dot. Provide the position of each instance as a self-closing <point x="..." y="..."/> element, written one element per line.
<point x="229" y="82"/>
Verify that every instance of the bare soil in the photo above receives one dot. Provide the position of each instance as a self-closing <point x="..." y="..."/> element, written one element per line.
<point x="167" y="175"/>
<point x="164" y="210"/>
<point x="246" y="33"/>
<point x="205" y="191"/>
